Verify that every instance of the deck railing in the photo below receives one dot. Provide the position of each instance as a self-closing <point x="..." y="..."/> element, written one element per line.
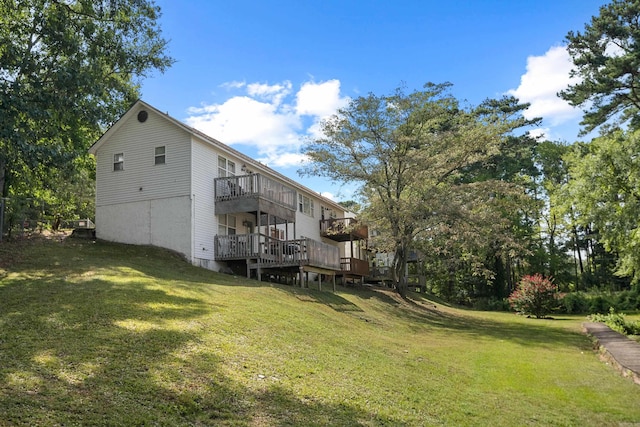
<point x="275" y="251"/>
<point x="254" y="185"/>
<point x="355" y="266"/>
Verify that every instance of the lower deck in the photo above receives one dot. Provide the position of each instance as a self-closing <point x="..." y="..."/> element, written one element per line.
<point x="259" y="255"/>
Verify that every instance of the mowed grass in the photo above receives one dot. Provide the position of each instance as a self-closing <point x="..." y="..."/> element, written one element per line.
<point x="106" y="334"/>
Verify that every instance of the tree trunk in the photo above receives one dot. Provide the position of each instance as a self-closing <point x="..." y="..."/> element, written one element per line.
<point x="4" y="187"/>
<point x="575" y="236"/>
<point x="399" y="270"/>
<point x="552" y="246"/>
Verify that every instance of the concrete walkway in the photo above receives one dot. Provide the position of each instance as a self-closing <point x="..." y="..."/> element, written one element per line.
<point x="622" y="352"/>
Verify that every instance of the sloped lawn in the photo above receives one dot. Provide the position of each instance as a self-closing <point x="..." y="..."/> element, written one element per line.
<point x="106" y="334"/>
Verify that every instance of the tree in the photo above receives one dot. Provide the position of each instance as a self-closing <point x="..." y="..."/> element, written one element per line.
<point x="605" y="190"/>
<point x="555" y="227"/>
<point x="67" y="70"/>
<point x="408" y="151"/>
<point x="606" y="57"/>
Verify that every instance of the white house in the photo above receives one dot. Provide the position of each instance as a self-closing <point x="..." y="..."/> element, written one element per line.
<point x="160" y="182"/>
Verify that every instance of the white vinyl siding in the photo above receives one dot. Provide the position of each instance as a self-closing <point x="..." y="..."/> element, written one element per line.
<point x="140" y="179"/>
<point x="205" y="170"/>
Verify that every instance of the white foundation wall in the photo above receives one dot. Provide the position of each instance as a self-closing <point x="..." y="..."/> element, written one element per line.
<point x="161" y="222"/>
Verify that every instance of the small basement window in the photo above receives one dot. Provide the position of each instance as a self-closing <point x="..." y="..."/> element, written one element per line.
<point x="160" y="155"/>
<point x="118" y="162"/>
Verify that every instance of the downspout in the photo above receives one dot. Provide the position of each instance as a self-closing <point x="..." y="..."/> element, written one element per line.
<point x="193" y="229"/>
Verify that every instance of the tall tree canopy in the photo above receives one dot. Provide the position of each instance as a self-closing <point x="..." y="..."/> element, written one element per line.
<point x="606" y="57"/>
<point x="67" y="69"/>
<point x="605" y="190"/>
<point x="409" y="151"/>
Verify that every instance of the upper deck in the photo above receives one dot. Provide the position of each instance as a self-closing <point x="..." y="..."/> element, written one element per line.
<point x="253" y="193"/>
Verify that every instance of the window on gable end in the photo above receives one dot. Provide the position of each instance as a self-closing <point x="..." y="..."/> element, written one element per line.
<point x="118" y="162"/>
<point x="160" y="155"/>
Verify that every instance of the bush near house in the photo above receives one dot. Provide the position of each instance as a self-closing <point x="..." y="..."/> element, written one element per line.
<point x="535" y="295"/>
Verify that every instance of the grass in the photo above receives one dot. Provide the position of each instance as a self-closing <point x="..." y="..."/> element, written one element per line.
<point x="106" y="334"/>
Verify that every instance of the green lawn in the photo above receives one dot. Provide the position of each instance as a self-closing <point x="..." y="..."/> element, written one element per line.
<point x="105" y="334"/>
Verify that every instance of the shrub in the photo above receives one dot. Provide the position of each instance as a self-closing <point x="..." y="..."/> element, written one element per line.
<point x="535" y="295"/>
<point x="600" y="304"/>
<point x="617" y="322"/>
<point x="574" y="303"/>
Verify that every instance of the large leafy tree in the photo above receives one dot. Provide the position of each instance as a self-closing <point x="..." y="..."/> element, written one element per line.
<point x="606" y="56"/>
<point x="605" y="191"/>
<point x="68" y="68"/>
<point x="408" y="152"/>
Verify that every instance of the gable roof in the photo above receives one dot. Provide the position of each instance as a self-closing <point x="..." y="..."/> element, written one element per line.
<point x="139" y="104"/>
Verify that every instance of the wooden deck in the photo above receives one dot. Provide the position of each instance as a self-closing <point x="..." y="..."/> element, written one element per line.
<point x="275" y="253"/>
<point x="354" y="267"/>
<point x="254" y="193"/>
<point x="343" y="229"/>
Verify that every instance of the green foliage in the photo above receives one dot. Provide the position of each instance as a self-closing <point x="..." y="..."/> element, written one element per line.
<point x="605" y="192"/>
<point x="599" y="301"/>
<point x="69" y="68"/>
<point x="617" y="322"/>
<point x="574" y="303"/>
<point x="606" y="57"/>
<point x="409" y="153"/>
<point x="535" y="295"/>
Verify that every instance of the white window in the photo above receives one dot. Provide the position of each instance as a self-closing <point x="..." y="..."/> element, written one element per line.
<point x="160" y="155"/>
<point x="226" y="167"/>
<point x="118" y="162"/>
<point x="306" y="205"/>
<point x="226" y="225"/>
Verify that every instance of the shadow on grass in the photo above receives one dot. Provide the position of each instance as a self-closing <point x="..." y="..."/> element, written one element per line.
<point x="421" y="312"/>
<point x="97" y="352"/>
<point x="534" y="332"/>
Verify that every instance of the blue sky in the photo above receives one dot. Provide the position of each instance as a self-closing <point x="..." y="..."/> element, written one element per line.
<point x="260" y="75"/>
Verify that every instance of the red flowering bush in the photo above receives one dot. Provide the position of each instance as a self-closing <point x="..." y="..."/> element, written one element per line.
<point x="535" y="296"/>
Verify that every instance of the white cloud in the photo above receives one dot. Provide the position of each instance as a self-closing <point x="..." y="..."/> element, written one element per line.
<point x="546" y="76"/>
<point x="233" y="85"/>
<point x="274" y="93"/>
<point x="328" y="195"/>
<point x="244" y="120"/>
<point x="276" y="159"/>
<point x="540" y="133"/>
<point x="270" y="118"/>
<point x="319" y="99"/>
